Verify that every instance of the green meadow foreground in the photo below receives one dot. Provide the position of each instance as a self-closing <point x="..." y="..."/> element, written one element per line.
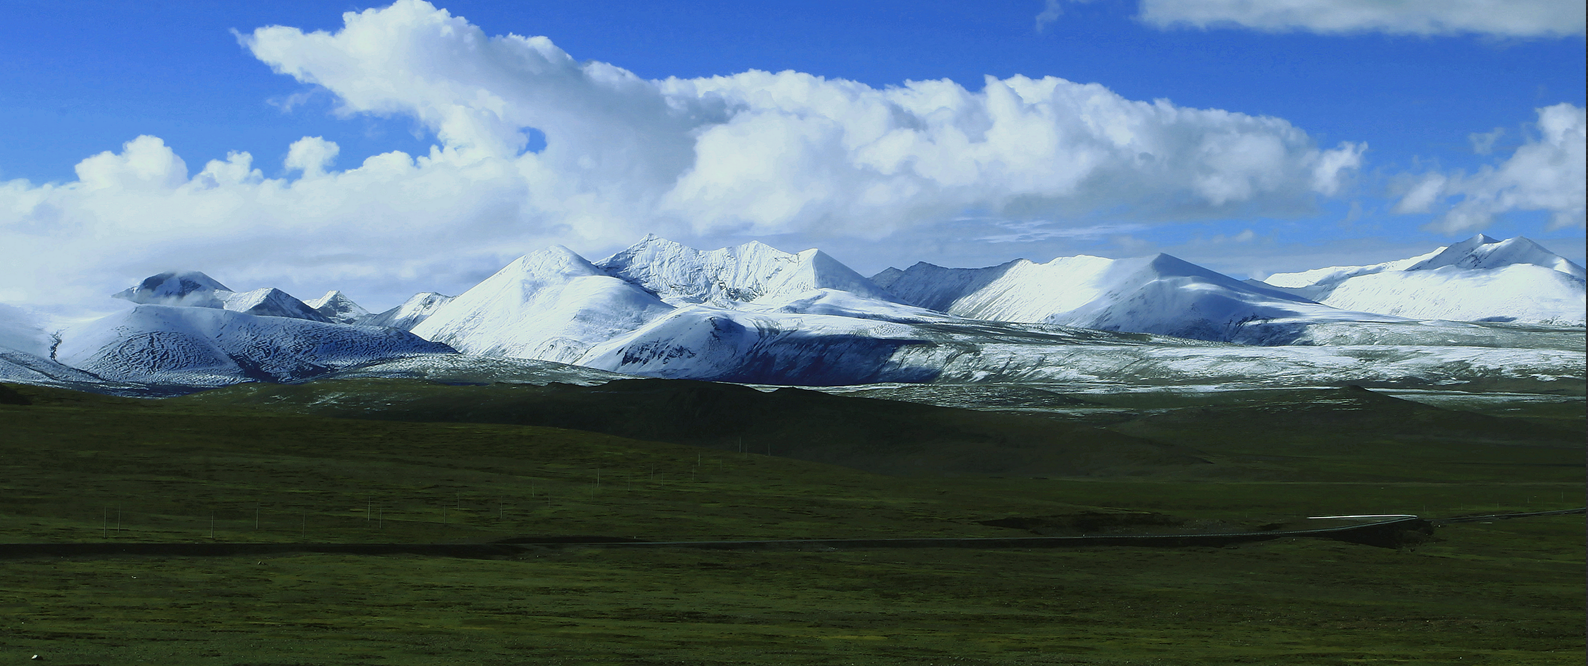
<point x="659" y="460"/>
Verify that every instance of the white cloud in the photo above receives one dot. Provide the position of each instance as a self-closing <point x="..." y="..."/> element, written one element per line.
<point x="1502" y="18"/>
<point x="1483" y="143"/>
<point x="1546" y="173"/>
<point x="145" y="163"/>
<point x="1051" y="11"/>
<point x="754" y="153"/>
<point x="1422" y="196"/>
<point x="312" y="155"/>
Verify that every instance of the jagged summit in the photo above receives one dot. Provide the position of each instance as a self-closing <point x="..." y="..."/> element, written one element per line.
<point x="681" y="275"/>
<point x="337" y="308"/>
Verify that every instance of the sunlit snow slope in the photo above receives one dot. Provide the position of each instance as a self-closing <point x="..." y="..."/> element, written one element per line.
<point x="1480" y="279"/>
<point x="726" y="277"/>
<point x="551" y="305"/>
<point x="1159" y="294"/>
<point x="411" y="313"/>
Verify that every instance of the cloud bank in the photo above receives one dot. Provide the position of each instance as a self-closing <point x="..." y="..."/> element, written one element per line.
<point x="1546" y="173"/>
<point x="1500" y="18"/>
<point x="755" y="153"/>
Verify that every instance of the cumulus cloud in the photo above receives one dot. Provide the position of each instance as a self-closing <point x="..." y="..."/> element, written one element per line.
<point x="1501" y="18"/>
<point x="145" y="163"/>
<point x="753" y="153"/>
<point x="1546" y="173"/>
<point x="311" y="155"/>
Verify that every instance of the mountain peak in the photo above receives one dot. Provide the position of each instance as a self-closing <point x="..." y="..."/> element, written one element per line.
<point x="554" y="260"/>
<point x="728" y="276"/>
<point x="176" y="288"/>
<point x="271" y="302"/>
<point x="1484" y="253"/>
<point x="335" y="306"/>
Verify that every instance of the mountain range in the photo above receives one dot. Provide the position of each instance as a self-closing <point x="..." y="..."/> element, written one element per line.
<point x="755" y="314"/>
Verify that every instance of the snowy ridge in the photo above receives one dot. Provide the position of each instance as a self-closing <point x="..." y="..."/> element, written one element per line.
<point x="753" y="314"/>
<point x="1479" y="279"/>
<point x="702" y="342"/>
<point x="1338" y="273"/>
<point x="551" y="305"/>
<point x="269" y="302"/>
<point x="1159" y="294"/>
<point x="336" y="307"/>
<point x="197" y="346"/>
<point x="1484" y="253"/>
<point x="681" y="275"/>
<point x="935" y="287"/>
<point x="1520" y="293"/>
<point x="416" y="309"/>
<point x="195" y="289"/>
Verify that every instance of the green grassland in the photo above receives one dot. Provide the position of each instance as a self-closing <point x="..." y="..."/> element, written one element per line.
<point x="428" y="463"/>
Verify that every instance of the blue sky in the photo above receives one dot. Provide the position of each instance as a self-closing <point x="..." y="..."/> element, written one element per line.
<point x="1400" y="103"/>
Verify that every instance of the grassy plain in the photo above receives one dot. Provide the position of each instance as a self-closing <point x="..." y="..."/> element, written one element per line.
<point x="249" y="469"/>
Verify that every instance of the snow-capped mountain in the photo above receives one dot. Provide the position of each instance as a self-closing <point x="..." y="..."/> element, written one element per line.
<point x="189" y="288"/>
<point x="753" y="314"/>
<point x="202" y="346"/>
<point x="416" y="309"/>
<point x="195" y="289"/>
<point x="336" y="307"/>
<point x="702" y="342"/>
<point x="682" y="275"/>
<point x="270" y="302"/>
<point x="1292" y="282"/>
<point x="1479" y="279"/>
<point x="1159" y="294"/>
<point x="551" y="305"/>
<point x="935" y="287"/>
